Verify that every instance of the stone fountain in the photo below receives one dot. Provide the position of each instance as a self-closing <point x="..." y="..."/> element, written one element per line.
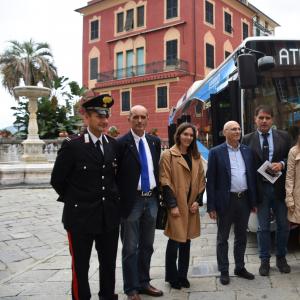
<point x="33" y="145"/>
<point x="34" y="168"/>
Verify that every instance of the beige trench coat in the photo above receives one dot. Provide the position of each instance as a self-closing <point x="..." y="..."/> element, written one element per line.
<point x="292" y="184"/>
<point x="175" y="173"/>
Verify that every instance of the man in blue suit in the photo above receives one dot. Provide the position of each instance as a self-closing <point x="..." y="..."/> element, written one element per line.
<point x="231" y="195"/>
<point x="137" y="178"/>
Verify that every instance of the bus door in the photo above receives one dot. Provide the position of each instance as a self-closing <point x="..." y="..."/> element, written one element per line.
<point x="225" y="106"/>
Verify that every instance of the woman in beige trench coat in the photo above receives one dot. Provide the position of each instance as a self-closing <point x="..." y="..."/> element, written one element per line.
<point x="182" y="180"/>
<point x="292" y="184"/>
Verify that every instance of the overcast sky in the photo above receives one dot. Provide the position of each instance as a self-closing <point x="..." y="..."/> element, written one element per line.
<point x="56" y="22"/>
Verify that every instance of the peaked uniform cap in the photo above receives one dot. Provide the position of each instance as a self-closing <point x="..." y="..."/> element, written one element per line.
<point x="98" y="103"/>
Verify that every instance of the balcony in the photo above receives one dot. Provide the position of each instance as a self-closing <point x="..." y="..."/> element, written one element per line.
<point x="147" y="69"/>
<point x="262" y="29"/>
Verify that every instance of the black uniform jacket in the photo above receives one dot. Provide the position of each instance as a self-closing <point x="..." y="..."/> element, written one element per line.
<point x="129" y="169"/>
<point x="85" y="182"/>
<point x="282" y="144"/>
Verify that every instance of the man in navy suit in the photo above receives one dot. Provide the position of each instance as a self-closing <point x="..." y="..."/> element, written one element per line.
<point x="231" y="195"/>
<point x="137" y="178"/>
<point x="272" y="145"/>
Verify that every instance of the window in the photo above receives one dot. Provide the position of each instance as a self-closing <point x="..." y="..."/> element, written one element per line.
<point x="172" y="9"/>
<point x="171" y="48"/>
<point x="209" y="12"/>
<point x="119" y="65"/>
<point x="227" y="53"/>
<point x="257" y="31"/>
<point x="198" y="109"/>
<point x="227" y="22"/>
<point x="125" y="101"/>
<point x="140" y="67"/>
<point x="129" y="20"/>
<point x="162" y="97"/>
<point x="129" y="63"/>
<point x="297" y="85"/>
<point x="93" y="68"/>
<point x="282" y="89"/>
<point x="94" y="29"/>
<point x="210" y="60"/>
<point x="120" y="22"/>
<point x="140" y="16"/>
<point x="245" y="30"/>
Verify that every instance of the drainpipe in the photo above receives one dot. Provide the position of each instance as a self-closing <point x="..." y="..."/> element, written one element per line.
<point x="195" y="39"/>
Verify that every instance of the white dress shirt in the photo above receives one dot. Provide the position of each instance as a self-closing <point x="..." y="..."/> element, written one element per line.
<point x="149" y="160"/>
<point x="95" y="139"/>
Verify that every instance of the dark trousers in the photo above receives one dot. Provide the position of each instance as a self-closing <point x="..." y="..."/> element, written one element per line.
<point x="278" y="206"/>
<point x="182" y="251"/>
<point x="80" y="245"/>
<point x="238" y="214"/>
<point x="137" y="234"/>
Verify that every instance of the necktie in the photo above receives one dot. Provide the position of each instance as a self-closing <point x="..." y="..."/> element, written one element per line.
<point x="98" y="147"/>
<point x="145" y="183"/>
<point x="265" y="146"/>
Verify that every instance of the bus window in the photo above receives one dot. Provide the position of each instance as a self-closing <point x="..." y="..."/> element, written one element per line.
<point x="280" y="91"/>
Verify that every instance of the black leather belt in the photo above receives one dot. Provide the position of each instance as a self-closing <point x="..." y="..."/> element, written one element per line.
<point x="147" y="194"/>
<point x="239" y="194"/>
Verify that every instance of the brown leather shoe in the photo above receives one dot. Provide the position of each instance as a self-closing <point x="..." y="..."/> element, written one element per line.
<point x="151" y="291"/>
<point x="134" y="296"/>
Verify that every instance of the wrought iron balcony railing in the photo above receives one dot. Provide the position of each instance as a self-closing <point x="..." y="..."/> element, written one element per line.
<point x="140" y="70"/>
<point x="262" y="28"/>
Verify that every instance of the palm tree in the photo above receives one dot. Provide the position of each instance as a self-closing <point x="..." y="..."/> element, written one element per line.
<point x="30" y="61"/>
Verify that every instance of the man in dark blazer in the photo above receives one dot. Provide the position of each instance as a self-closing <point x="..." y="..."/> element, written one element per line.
<point x="272" y="145"/>
<point x="231" y="195"/>
<point x="139" y="155"/>
<point x="84" y="176"/>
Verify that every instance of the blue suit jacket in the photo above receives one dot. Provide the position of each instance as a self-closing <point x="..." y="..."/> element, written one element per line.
<point x="219" y="178"/>
<point x="129" y="168"/>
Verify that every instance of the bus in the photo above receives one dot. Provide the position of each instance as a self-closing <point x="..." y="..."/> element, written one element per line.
<point x="262" y="70"/>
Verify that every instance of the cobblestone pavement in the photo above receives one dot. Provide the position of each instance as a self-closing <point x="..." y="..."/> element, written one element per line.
<point x="35" y="263"/>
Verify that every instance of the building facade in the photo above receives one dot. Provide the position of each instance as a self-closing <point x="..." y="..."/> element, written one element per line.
<point x="150" y="52"/>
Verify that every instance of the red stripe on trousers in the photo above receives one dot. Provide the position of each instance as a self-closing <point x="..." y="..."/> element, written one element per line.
<point x="74" y="275"/>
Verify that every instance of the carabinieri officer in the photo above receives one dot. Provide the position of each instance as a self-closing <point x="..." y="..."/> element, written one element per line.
<point x="84" y="178"/>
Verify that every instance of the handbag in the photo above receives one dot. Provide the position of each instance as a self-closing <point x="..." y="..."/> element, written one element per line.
<point x="162" y="215"/>
<point x="162" y="212"/>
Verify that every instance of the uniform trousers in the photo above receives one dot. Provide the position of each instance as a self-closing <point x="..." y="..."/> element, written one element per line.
<point x="80" y="245"/>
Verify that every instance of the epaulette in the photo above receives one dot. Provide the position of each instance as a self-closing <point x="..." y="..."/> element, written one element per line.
<point x="106" y="137"/>
<point x="73" y="137"/>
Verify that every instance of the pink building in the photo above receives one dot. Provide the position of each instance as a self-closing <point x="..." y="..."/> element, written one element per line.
<point x="149" y="52"/>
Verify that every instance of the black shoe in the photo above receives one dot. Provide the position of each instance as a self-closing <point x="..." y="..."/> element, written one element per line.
<point x="184" y="282"/>
<point x="224" y="278"/>
<point x="243" y="273"/>
<point x="264" y="268"/>
<point x="175" y="285"/>
<point x="282" y="265"/>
